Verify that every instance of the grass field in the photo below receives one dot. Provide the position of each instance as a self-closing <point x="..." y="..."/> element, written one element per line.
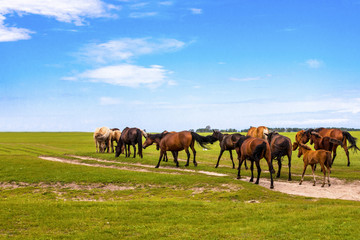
<point x="41" y="199"/>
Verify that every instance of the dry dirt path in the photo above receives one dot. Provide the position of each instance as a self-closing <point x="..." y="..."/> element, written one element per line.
<point x="339" y="189"/>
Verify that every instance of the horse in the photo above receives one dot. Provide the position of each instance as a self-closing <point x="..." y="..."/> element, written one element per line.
<point x="280" y="146"/>
<point x="102" y="139"/>
<point x="312" y="157"/>
<point x="178" y="141"/>
<point x="130" y="136"/>
<point x="325" y="143"/>
<point x="258" y="132"/>
<point x="226" y="142"/>
<point x="155" y="138"/>
<point x="338" y="135"/>
<point x="114" y="137"/>
<point x="254" y="149"/>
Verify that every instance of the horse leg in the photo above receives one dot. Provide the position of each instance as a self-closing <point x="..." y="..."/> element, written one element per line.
<point x="221" y="153"/>
<point x="252" y="170"/>
<point x="134" y="150"/>
<point x="194" y="152"/>
<point x="347" y="154"/>
<point x="289" y="158"/>
<point x="161" y="155"/>
<point x="232" y="160"/>
<point x="258" y="171"/>
<point x="324" y="171"/>
<point x="188" y="157"/>
<point x="240" y="163"/>
<point x="176" y="158"/>
<point x="328" y="169"/>
<point x="279" y="170"/>
<point x="334" y="154"/>
<point x="313" y="172"/>
<point x="302" y="177"/>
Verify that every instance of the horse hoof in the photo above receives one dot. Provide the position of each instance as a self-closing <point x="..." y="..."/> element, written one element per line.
<point x="329" y="184"/>
<point x="314" y="184"/>
<point x="271" y="187"/>
<point x="300" y="183"/>
<point x="238" y="177"/>
<point x="323" y="185"/>
<point x="186" y="165"/>
<point x="289" y="179"/>
<point x="156" y="166"/>
<point x="256" y="182"/>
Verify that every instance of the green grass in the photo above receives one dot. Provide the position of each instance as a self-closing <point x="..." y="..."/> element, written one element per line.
<point x="156" y="205"/>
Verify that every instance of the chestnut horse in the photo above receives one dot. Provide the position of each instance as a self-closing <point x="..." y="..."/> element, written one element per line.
<point x="338" y="135"/>
<point x="258" y="132"/>
<point x="226" y="142"/>
<point x="312" y="157"/>
<point x="178" y="141"/>
<point x="254" y="149"/>
<point x="280" y="146"/>
<point x="130" y="136"/>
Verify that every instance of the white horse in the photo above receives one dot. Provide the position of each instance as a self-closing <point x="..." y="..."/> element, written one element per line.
<point x="102" y="138"/>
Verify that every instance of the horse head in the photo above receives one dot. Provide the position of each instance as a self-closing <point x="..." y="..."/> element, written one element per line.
<point x="217" y="134"/>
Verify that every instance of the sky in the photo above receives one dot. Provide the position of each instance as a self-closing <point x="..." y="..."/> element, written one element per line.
<point x="176" y="65"/>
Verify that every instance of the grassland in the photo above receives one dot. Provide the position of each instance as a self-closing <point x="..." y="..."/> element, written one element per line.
<point x="51" y="200"/>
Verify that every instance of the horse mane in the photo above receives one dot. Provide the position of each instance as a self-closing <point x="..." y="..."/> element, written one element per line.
<point x="241" y="140"/>
<point x="318" y="129"/>
<point x="143" y="133"/>
<point x="154" y="136"/>
<point x="308" y="131"/>
<point x="114" y="129"/>
<point x="315" y="134"/>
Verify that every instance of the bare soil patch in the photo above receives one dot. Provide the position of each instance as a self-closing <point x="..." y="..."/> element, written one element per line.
<point x="339" y="189"/>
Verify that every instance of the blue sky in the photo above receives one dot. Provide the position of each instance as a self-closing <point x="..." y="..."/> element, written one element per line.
<point x="76" y="65"/>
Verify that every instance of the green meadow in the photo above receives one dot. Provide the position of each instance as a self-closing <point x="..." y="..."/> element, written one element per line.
<point x="126" y="198"/>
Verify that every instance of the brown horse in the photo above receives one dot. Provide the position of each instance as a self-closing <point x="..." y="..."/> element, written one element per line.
<point x="338" y="135"/>
<point x="178" y="141"/>
<point x="312" y="157"/>
<point x="130" y="136"/>
<point x="280" y="146"/>
<point x="226" y="142"/>
<point x="254" y="149"/>
<point x="258" y="132"/>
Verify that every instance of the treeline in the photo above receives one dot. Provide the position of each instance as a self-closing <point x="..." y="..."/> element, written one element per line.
<point x="276" y="129"/>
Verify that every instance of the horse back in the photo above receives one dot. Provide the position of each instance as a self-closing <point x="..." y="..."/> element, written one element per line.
<point x="250" y="144"/>
<point x="176" y="141"/>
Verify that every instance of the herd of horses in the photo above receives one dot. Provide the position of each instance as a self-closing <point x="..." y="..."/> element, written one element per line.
<point x="258" y="144"/>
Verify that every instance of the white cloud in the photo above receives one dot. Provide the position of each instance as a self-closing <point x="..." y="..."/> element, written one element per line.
<point x="313" y="63"/>
<point x="127" y="48"/>
<point x="142" y="14"/>
<point x="127" y="75"/>
<point x="245" y="79"/>
<point x="62" y="10"/>
<point x="196" y="11"/>
<point x="110" y="101"/>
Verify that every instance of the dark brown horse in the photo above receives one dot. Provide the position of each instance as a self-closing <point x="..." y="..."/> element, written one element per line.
<point x="178" y="141"/>
<point x="226" y="142"/>
<point x="280" y="146"/>
<point x="254" y="149"/>
<point x="339" y="135"/>
<point x="155" y="138"/>
<point x="130" y="136"/>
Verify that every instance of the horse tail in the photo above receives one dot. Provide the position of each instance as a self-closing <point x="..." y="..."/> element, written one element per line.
<point x="328" y="161"/>
<point x="139" y="140"/>
<point x="351" y="139"/>
<point x="260" y="150"/>
<point x="203" y="141"/>
<point x="335" y="141"/>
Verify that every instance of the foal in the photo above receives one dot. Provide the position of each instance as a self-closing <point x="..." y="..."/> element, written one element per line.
<point x="312" y="157"/>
